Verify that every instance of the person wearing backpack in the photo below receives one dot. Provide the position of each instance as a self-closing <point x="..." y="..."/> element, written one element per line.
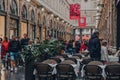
<point x="14" y="48"/>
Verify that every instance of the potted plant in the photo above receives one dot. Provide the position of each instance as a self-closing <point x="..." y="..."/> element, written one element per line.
<point x="40" y="52"/>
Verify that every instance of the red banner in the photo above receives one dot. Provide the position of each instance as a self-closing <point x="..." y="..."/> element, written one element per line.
<point x="74" y="11"/>
<point x="82" y="22"/>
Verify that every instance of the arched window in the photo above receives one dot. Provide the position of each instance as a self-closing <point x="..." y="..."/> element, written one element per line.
<point x="2" y="4"/>
<point x="44" y="21"/>
<point x="24" y="12"/>
<point x="32" y="16"/>
<point x="13" y="8"/>
<point x="39" y="19"/>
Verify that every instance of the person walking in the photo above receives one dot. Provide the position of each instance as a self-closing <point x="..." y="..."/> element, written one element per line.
<point x="14" y="47"/>
<point x="25" y="40"/>
<point x="104" y="52"/>
<point x="94" y="46"/>
<point x="5" y="53"/>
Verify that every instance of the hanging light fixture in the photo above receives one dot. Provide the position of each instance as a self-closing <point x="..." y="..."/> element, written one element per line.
<point x="63" y="21"/>
<point x="52" y="15"/>
<point x="57" y="18"/>
<point x="43" y="9"/>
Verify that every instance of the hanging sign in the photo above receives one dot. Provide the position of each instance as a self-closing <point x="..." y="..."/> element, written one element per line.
<point x="74" y="11"/>
<point x="82" y="22"/>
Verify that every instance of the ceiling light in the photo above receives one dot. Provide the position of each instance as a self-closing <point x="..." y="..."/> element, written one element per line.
<point x="43" y="9"/>
<point x="57" y="18"/>
<point x="52" y="15"/>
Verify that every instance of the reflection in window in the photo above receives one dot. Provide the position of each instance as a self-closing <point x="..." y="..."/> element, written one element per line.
<point x="32" y="16"/>
<point x="2" y="4"/>
<point x="24" y="12"/>
<point x="13" y="8"/>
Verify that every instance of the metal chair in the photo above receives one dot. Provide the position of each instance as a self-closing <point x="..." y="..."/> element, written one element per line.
<point x="58" y="60"/>
<point x="113" y="72"/>
<point x="44" y="71"/>
<point x="73" y="59"/>
<point x="65" y="72"/>
<point x="93" y="72"/>
<point x="95" y="63"/>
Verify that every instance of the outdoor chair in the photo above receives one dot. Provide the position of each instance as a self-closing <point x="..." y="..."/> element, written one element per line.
<point x="76" y="57"/>
<point x="113" y="63"/>
<point x="65" y="72"/>
<point x="44" y="71"/>
<point x="95" y="63"/>
<point x="79" y="55"/>
<point x="64" y="55"/>
<point x="58" y="60"/>
<point x="86" y="60"/>
<point x="93" y="72"/>
<point x="73" y="59"/>
<point x="50" y="61"/>
<point x="113" y="72"/>
<point x="67" y="62"/>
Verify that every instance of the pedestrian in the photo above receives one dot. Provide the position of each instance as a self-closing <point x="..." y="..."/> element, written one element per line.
<point x="5" y="53"/>
<point x="24" y="40"/>
<point x="74" y="47"/>
<point x="77" y="44"/>
<point x="104" y="52"/>
<point x="83" y="46"/>
<point x="94" y="46"/>
<point x="70" y="47"/>
<point x="14" y="48"/>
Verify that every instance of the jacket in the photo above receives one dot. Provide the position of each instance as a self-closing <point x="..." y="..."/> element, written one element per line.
<point x="94" y="47"/>
<point x="14" y="46"/>
<point x="104" y="53"/>
<point x="4" y="49"/>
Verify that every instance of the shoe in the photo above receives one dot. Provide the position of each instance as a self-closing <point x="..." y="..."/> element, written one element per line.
<point x="11" y="69"/>
<point x="15" y="68"/>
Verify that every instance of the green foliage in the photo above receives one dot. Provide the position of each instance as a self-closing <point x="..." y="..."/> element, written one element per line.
<point x="49" y="47"/>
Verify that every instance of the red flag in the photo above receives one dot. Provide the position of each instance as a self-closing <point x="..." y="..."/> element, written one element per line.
<point x="74" y="11"/>
<point x="82" y="22"/>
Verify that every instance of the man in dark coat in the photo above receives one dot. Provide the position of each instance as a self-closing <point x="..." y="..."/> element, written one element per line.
<point x="24" y="41"/>
<point x="14" y="48"/>
<point x="94" y="46"/>
<point x="77" y="45"/>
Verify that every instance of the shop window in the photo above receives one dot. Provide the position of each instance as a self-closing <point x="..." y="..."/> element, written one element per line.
<point x="2" y="4"/>
<point x="32" y="16"/>
<point x="24" y="12"/>
<point x="13" y="8"/>
<point x="39" y="19"/>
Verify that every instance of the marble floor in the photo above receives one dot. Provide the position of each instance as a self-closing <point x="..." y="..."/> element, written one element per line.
<point x="18" y="75"/>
